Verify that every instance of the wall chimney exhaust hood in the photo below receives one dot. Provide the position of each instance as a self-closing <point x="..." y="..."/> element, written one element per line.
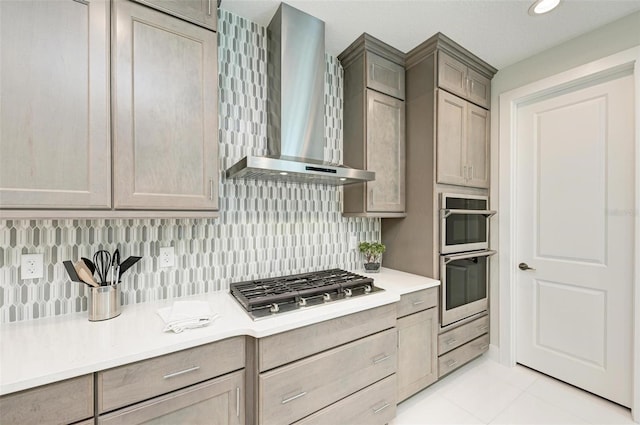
<point x="295" y="107"/>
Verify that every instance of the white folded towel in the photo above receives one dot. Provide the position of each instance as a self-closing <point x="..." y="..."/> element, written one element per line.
<point x="186" y="315"/>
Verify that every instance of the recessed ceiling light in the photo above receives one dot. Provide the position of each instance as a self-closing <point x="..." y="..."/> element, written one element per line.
<point x="540" y="7"/>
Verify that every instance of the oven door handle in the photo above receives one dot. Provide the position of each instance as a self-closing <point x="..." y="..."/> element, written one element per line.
<point x="449" y="258"/>
<point x="446" y="212"/>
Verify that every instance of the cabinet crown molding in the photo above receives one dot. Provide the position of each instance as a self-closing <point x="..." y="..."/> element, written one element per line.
<point x="439" y="41"/>
<point x="367" y="42"/>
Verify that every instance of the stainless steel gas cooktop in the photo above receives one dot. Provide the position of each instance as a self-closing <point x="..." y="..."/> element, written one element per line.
<point x="268" y="297"/>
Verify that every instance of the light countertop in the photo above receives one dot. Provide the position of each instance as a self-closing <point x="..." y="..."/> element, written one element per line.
<point x="47" y="350"/>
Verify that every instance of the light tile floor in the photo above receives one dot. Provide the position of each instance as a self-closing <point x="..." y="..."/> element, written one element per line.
<point x="485" y="392"/>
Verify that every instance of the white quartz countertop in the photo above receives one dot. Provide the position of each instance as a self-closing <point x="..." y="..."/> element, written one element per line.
<point x="47" y="350"/>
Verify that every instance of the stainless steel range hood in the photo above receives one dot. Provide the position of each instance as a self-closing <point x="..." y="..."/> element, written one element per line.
<point x="295" y="107"/>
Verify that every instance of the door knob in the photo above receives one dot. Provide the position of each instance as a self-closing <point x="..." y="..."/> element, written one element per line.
<point x="525" y="266"/>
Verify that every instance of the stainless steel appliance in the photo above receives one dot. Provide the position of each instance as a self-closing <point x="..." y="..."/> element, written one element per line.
<point x="464" y="278"/>
<point x="268" y="297"/>
<point x="295" y="107"/>
<point x="464" y="223"/>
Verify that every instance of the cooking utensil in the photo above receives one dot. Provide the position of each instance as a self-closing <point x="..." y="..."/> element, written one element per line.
<point x="84" y="274"/>
<point x="89" y="263"/>
<point x="71" y="271"/>
<point x="126" y="264"/>
<point x="102" y="260"/>
<point x="115" y="266"/>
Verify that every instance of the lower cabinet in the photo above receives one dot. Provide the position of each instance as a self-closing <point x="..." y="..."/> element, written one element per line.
<point x="58" y="403"/>
<point x="462" y="344"/>
<point x="417" y="328"/>
<point x="340" y="371"/>
<point x="218" y="401"/>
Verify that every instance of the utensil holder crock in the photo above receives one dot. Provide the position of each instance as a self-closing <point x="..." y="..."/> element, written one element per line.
<point x="104" y="302"/>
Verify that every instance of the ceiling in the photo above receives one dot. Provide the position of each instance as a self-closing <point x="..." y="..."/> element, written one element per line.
<point x="498" y="31"/>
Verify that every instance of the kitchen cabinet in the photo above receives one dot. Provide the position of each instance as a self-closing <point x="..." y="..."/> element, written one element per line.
<point x="201" y="12"/>
<point x="54" y="110"/>
<point x="61" y="402"/>
<point x="124" y="385"/>
<point x="417" y="342"/>
<point x="165" y="144"/>
<point x="219" y="401"/>
<point x="454" y="359"/>
<point x="462" y="142"/>
<point x="312" y="368"/>
<point x="374" y="117"/>
<point x="447" y="150"/>
<point x="160" y="159"/>
<point x="462" y="80"/>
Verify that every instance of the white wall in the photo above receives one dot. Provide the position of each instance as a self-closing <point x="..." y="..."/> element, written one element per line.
<point x="604" y="41"/>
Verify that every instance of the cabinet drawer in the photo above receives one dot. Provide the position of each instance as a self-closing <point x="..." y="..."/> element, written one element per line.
<point x="62" y="402"/>
<point x="218" y="401"/>
<point x="375" y="405"/>
<point x="417" y="301"/>
<point x="385" y="76"/>
<point x="279" y="349"/>
<point x="463" y="334"/>
<point x="134" y="382"/>
<point x="292" y="392"/>
<point x="456" y="358"/>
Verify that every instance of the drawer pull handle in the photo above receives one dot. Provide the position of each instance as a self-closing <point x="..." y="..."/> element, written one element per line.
<point x="182" y="372"/>
<point x="451" y="341"/>
<point x="451" y="363"/>
<point x="287" y="400"/>
<point x="484" y="347"/>
<point x="381" y="408"/>
<point x="238" y="401"/>
<point x="381" y="359"/>
<point x="418" y="302"/>
<point x="483" y="328"/>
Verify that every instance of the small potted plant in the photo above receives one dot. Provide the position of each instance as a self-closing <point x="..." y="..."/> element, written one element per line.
<point x="372" y="252"/>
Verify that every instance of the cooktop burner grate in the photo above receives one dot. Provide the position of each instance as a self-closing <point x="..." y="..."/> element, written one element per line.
<point x="265" y="297"/>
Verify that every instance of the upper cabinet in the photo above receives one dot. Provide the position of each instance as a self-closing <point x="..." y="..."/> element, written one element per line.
<point x="201" y="12"/>
<point x="54" y="107"/>
<point x="462" y="80"/>
<point x="165" y="111"/>
<point x="73" y="70"/>
<point x="462" y="142"/>
<point x="374" y="127"/>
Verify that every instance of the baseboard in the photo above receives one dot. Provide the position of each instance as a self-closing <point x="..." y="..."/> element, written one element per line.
<point x="494" y="353"/>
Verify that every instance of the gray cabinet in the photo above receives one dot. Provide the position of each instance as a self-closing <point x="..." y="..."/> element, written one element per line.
<point x="54" y="107"/>
<point x="374" y="122"/>
<point x="165" y="112"/>
<point x="219" y="401"/>
<point x="462" y="142"/>
<point x="417" y="343"/>
<point x="462" y="80"/>
<point x="201" y="12"/>
<point x="58" y="403"/>
<point x="447" y="143"/>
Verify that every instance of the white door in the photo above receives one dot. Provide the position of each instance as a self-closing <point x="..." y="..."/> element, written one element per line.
<point x="575" y="215"/>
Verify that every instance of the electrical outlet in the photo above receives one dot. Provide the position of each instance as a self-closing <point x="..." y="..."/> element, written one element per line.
<point x="167" y="256"/>
<point x="31" y="266"/>
<point x="353" y="243"/>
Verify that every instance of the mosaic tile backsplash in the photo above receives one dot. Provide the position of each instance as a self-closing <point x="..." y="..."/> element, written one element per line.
<point x="265" y="228"/>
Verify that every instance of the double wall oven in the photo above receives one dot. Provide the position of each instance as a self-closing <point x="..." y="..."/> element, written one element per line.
<point x="464" y="256"/>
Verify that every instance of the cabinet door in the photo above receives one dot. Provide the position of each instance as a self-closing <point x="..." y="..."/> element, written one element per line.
<point x="219" y="401"/>
<point x="385" y="76"/>
<point x="165" y="111"/>
<point x="417" y="352"/>
<point x="385" y="153"/>
<point x="54" y="107"/>
<point x="479" y="88"/>
<point x="477" y="146"/>
<point x="201" y="12"/>
<point x="452" y="74"/>
<point x="451" y="139"/>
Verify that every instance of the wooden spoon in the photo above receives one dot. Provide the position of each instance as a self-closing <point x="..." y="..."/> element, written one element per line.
<point x="85" y="274"/>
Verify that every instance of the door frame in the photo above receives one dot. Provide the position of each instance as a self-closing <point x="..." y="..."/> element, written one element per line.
<point x="507" y="177"/>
